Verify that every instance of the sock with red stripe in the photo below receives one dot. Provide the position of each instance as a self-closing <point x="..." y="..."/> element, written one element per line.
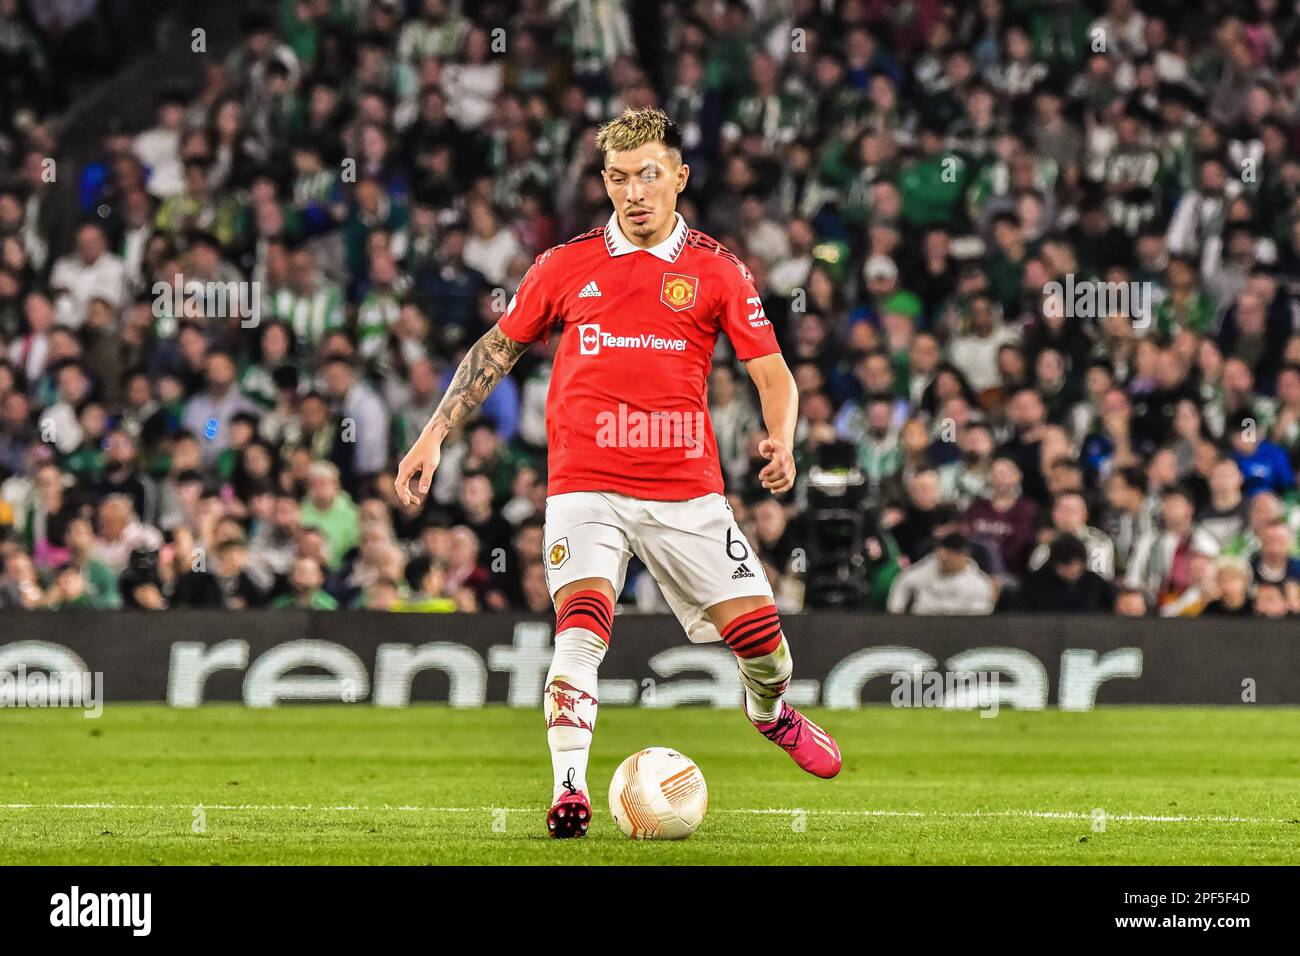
<point x="582" y="630"/>
<point x="764" y="660"/>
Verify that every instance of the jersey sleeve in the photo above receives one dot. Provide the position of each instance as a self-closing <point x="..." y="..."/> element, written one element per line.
<point x="743" y="319"/>
<point x="531" y="312"/>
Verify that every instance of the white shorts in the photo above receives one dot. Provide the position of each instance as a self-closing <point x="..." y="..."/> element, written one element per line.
<point x="693" y="548"/>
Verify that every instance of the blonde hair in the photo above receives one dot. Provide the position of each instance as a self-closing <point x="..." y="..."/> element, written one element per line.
<point x="1234" y="564"/>
<point x="635" y="128"/>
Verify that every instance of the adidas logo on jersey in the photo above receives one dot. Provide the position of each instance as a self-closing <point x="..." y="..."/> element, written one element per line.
<point x="741" y="572"/>
<point x="590" y="291"/>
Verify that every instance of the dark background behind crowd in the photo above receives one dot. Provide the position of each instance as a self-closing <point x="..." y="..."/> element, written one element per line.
<point x="908" y="183"/>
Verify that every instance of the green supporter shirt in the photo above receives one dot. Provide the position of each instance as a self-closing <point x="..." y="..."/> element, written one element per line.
<point x="319" y="601"/>
<point x="101" y="585"/>
<point x="258" y="384"/>
<point x="226" y="463"/>
<point x="503" y="470"/>
<point x="932" y="188"/>
<point x="310" y="316"/>
<point x="1196" y="314"/>
<point x="777" y="118"/>
<point x="86" y="461"/>
<point x="85" y="600"/>
<point x="727" y="69"/>
<point x="376" y="315"/>
<point x="338" y="523"/>
<point x="881" y="574"/>
<point x="302" y="35"/>
<point x="1058" y="33"/>
<point x="1006" y="278"/>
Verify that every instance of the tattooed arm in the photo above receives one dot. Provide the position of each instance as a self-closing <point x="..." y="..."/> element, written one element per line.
<point x="489" y="360"/>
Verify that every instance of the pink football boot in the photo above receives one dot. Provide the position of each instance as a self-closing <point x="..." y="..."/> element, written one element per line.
<point x="571" y="814"/>
<point x="812" y="748"/>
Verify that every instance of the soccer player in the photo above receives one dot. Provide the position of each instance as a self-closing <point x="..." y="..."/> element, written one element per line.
<point x="633" y="463"/>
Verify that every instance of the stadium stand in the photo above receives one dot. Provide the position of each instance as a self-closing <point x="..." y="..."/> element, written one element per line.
<point x="1034" y="265"/>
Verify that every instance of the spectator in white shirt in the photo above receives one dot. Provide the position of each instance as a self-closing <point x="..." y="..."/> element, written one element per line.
<point x="61" y="423"/>
<point x="763" y="237"/>
<point x="30" y="351"/>
<point x="473" y="82"/>
<point x="121" y="532"/>
<point x="159" y="148"/>
<point x="947" y="581"/>
<point x="361" y="407"/>
<point x="1161" y="563"/>
<point x="489" y="248"/>
<point x="975" y="352"/>
<point x="1070" y="516"/>
<point x="92" y="272"/>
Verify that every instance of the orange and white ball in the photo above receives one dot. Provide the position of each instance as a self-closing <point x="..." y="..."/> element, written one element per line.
<point x="658" y="794"/>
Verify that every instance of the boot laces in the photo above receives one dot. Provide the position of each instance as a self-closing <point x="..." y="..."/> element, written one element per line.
<point x="568" y="783"/>
<point x="787" y="730"/>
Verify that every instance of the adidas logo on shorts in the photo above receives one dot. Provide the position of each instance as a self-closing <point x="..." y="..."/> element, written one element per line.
<point x="741" y="572"/>
<point x="590" y="290"/>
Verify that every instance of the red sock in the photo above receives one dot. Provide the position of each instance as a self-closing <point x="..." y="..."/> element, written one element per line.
<point x="587" y="609"/>
<point x="754" y="633"/>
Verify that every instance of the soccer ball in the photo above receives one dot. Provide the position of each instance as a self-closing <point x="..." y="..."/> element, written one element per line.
<point x="658" y="794"/>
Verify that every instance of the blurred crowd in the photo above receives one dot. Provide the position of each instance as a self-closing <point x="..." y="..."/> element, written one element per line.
<point x="219" y="334"/>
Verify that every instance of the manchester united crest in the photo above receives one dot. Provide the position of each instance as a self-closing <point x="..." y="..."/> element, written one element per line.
<point x="558" y="553"/>
<point x="678" y="291"/>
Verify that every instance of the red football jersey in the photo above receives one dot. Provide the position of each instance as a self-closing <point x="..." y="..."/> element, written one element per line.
<point x="627" y="410"/>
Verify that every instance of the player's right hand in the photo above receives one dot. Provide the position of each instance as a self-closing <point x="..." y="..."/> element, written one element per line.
<point x="421" y="460"/>
<point x="777" y="476"/>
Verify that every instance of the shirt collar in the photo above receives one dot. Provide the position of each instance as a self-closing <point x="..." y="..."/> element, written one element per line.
<point x="618" y="244"/>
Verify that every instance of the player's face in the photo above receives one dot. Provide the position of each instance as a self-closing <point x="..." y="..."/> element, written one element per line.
<point x="643" y="184"/>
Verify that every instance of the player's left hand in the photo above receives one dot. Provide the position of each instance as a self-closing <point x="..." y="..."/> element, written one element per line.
<point x="422" y="459"/>
<point x="777" y="475"/>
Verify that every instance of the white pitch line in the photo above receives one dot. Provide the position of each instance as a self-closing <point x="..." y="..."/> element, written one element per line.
<point x="789" y="811"/>
<point x="1032" y="814"/>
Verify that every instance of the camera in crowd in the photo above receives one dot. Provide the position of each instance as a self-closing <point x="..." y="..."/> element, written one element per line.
<point x="838" y="521"/>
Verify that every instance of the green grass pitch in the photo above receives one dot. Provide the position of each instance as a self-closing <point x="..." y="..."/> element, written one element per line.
<point x="433" y="785"/>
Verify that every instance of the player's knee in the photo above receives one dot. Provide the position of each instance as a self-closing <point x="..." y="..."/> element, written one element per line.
<point x="783" y="662"/>
<point x="582" y="631"/>
<point x="589" y="610"/>
<point x="755" y="633"/>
